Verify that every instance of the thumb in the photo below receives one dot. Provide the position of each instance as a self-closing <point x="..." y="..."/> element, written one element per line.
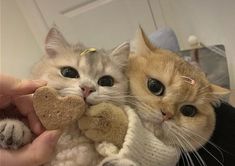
<point x="38" y="152"/>
<point x="42" y="148"/>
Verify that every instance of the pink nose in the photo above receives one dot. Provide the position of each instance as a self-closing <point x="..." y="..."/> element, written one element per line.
<point x="166" y="115"/>
<point x="87" y="91"/>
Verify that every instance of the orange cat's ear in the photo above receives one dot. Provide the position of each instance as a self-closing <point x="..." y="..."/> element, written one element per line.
<point x="55" y="42"/>
<point x="141" y="44"/>
<point x="217" y="90"/>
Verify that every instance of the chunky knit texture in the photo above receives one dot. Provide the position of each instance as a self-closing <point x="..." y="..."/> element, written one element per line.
<point x="143" y="147"/>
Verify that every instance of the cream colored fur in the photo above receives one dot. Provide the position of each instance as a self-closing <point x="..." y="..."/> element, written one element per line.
<point x="74" y="149"/>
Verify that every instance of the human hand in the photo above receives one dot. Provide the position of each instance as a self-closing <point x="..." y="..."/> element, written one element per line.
<point x="15" y="98"/>
<point x="34" y="154"/>
<point x="16" y="92"/>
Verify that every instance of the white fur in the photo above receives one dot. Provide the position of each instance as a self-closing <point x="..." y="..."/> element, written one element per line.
<point x="15" y="130"/>
<point x="73" y="149"/>
<point x="106" y="149"/>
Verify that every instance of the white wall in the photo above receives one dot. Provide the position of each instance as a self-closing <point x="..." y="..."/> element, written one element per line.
<point x="212" y="21"/>
<point x="19" y="49"/>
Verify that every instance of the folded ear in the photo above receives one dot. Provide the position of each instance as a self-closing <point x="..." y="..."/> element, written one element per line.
<point x="217" y="90"/>
<point x="141" y="45"/>
<point x="55" y="42"/>
<point x="120" y="54"/>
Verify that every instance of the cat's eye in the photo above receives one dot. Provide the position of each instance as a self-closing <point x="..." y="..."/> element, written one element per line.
<point x="69" y="72"/>
<point x="188" y="110"/>
<point x="106" y="81"/>
<point x="156" y="87"/>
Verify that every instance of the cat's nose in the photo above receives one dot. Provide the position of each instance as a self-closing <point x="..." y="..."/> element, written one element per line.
<point x="87" y="91"/>
<point x="166" y="115"/>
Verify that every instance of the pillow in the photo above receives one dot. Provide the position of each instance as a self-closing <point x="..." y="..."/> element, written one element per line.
<point x="165" y="38"/>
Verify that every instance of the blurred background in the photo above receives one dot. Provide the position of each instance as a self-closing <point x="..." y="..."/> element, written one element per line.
<point x="106" y="23"/>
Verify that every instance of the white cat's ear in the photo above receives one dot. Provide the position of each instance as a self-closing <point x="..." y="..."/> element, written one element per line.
<point x="120" y="54"/>
<point x="55" y="42"/>
<point x="217" y="90"/>
<point x="141" y="45"/>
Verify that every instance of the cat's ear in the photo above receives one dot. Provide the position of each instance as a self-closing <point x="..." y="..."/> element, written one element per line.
<point x="120" y="54"/>
<point x="55" y="42"/>
<point x="141" y="45"/>
<point x="217" y="90"/>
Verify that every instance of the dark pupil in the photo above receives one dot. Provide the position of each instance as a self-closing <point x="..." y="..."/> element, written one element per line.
<point x="156" y="87"/>
<point x="106" y="81"/>
<point x="69" y="72"/>
<point x="188" y="110"/>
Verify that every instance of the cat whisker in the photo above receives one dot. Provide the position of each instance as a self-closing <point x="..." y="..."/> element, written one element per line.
<point x="126" y="95"/>
<point x="184" y="139"/>
<point x="149" y="109"/>
<point x="185" y="132"/>
<point x="146" y="111"/>
<point x="182" y="145"/>
<point x="197" y="135"/>
<point x="193" y="150"/>
<point x="115" y="99"/>
<point x="183" y="156"/>
<point x="128" y="101"/>
<point x="179" y="148"/>
<point x="172" y="144"/>
<point x="211" y="143"/>
<point x="181" y="142"/>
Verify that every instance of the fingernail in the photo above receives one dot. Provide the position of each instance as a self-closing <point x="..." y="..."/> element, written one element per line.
<point x="40" y="82"/>
<point x="53" y="137"/>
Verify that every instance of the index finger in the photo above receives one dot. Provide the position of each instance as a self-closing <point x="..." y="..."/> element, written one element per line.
<point x="14" y="86"/>
<point x="25" y="107"/>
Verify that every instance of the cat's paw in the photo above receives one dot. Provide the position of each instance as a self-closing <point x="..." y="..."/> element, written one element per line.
<point x="13" y="134"/>
<point x="105" y="122"/>
<point x="116" y="161"/>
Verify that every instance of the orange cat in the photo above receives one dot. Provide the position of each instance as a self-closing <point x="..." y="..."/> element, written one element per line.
<point x="173" y="98"/>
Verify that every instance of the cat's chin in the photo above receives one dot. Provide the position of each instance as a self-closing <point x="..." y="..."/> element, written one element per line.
<point x="90" y="102"/>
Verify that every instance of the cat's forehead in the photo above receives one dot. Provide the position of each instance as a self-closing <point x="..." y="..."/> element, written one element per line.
<point x="174" y="66"/>
<point x="92" y="58"/>
<point x="94" y="62"/>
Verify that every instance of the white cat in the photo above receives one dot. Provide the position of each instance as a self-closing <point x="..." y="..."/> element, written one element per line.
<point x="96" y="75"/>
